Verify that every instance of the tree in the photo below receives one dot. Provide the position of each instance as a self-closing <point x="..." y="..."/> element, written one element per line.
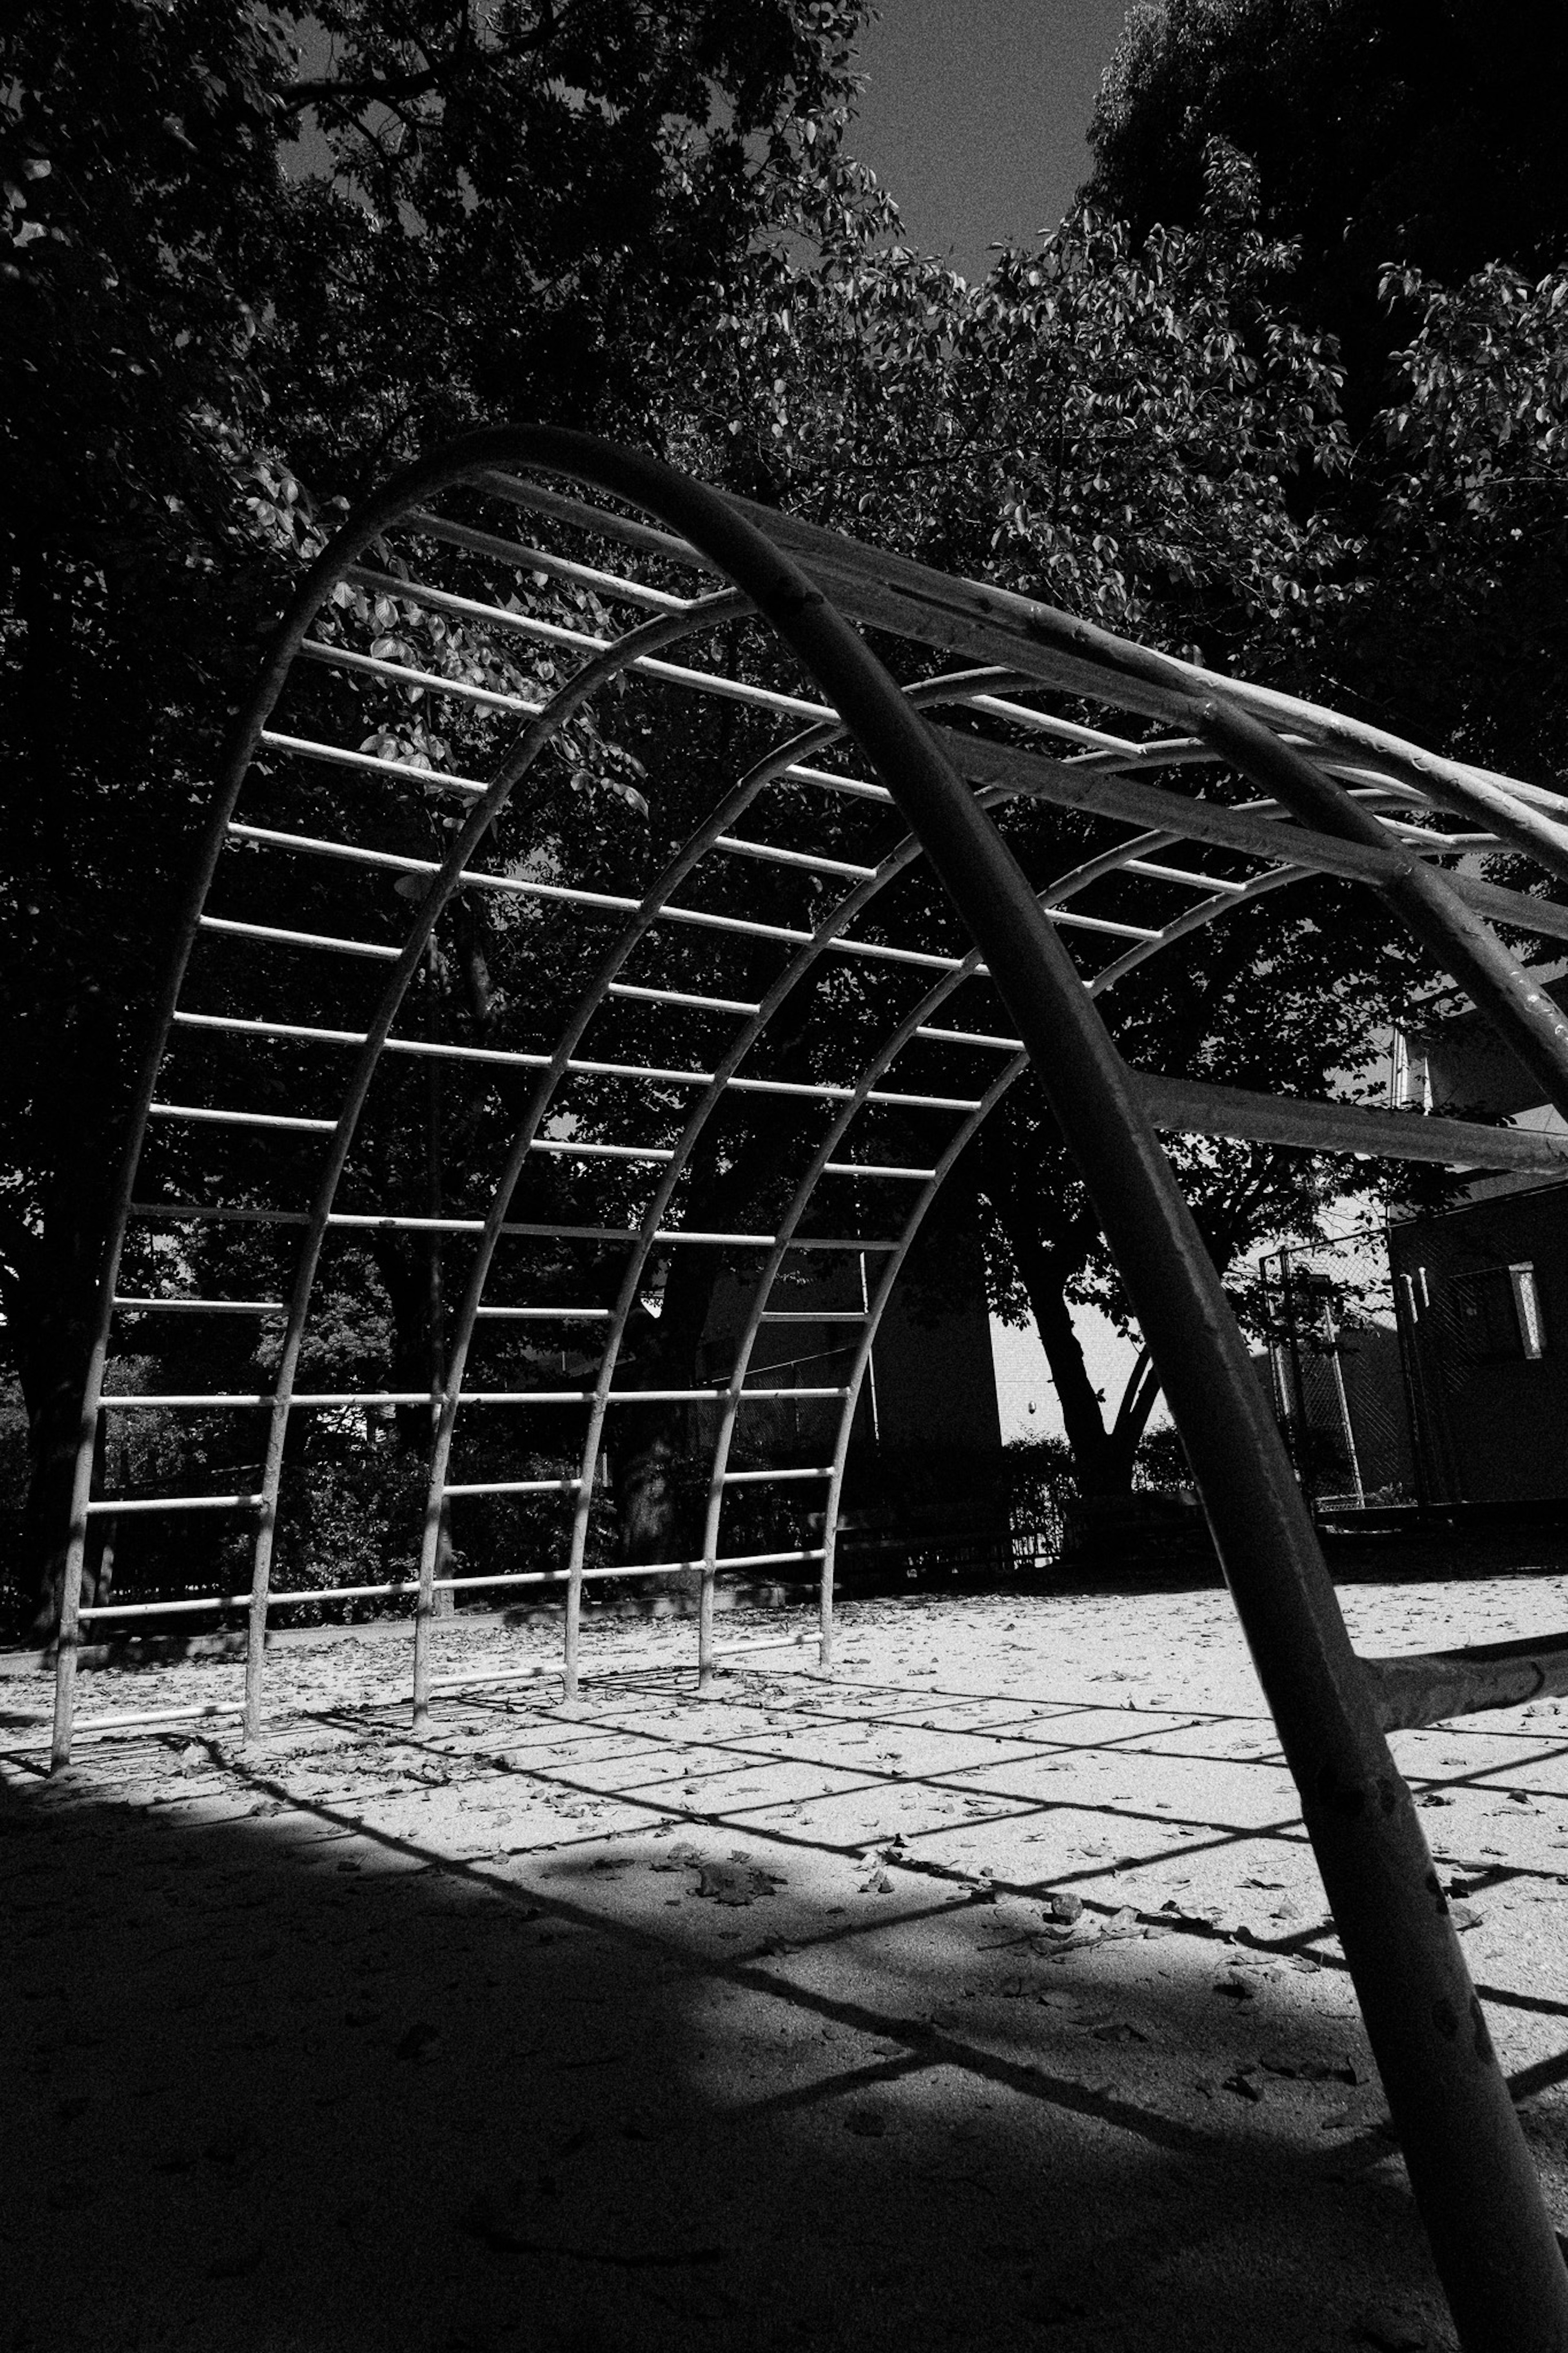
<point x="1122" y="425"/>
<point x="1456" y="631"/>
<point x="510" y="209"/>
<point x="1389" y="132"/>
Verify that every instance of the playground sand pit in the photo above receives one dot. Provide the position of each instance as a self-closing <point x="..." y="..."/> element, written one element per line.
<point x="982" y="1996"/>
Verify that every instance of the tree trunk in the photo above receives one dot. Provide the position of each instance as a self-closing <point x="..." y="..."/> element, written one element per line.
<point x="49" y="1293"/>
<point x="1103" y="1453"/>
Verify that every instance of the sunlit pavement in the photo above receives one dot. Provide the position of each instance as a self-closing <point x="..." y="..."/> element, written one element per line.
<point x="744" y="2020"/>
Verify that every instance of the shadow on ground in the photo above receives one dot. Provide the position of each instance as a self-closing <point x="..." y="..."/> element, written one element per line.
<point x="546" y="2032"/>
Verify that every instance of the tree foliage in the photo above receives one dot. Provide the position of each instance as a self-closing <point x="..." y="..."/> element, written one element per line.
<point x="254" y="249"/>
<point x="1120" y="424"/>
<point x="257" y="255"/>
<point x="1383" y="133"/>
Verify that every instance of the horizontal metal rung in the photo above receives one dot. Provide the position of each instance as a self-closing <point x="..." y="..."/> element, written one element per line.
<point x="579" y="1066"/>
<point x="400" y="674"/>
<point x="799" y="773"/>
<point x="198" y="1712"/>
<point x="519" y="558"/>
<point x="242" y="1600"/>
<point x="610" y="902"/>
<point x="1067" y="731"/>
<point x="115" y="1506"/>
<point x="166" y="1608"/>
<point x="241" y="1118"/>
<point x="248" y="1025"/>
<point x="204" y="1306"/>
<point x="514" y="1487"/>
<point x="276" y="937"/>
<point x="1179" y="874"/>
<point x="1101" y="924"/>
<point x="743" y="1394"/>
<point x="750" y="1478"/>
<point x="681" y="997"/>
<point x="198" y="1212"/>
<point x="724" y="1560"/>
<point x="535" y="500"/>
<point x="870" y="1168"/>
<point x="700" y="682"/>
<point x="813" y="1315"/>
<point x="335" y="755"/>
<point x="317" y="1400"/>
<point x="553" y="1576"/>
<point x="321" y="1400"/>
<point x="970" y="1038"/>
<point x="567" y="1150"/>
<point x="799" y="858"/>
<point x="849" y="1094"/>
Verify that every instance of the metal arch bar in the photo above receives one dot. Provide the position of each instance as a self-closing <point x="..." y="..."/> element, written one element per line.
<point x="1224" y="901"/>
<point x="940" y="689"/>
<point x="1058" y="649"/>
<point x="1194" y="919"/>
<point x="1517" y="1007"/>
<point x="1090" y="660"/>
<point x="554" y="1069"/>
<point x="966" y="859"/>
<point x="552" y="633"/>
<point x="765" y="772"/>
<point x="536" y="735"/>
<point x="1154" y="1092"/>
<point x="1491" y="2237"/>
<point x="1065" y="885"/>
<point x="1225" y="896"/>
<point x="720" y="1476"/>
<point x="239" y="752"/>
<point x="67" y="1655"/>
<point x="460" y="689"/>
<point x="537" y="559"/>
<point x="380" y="514"/>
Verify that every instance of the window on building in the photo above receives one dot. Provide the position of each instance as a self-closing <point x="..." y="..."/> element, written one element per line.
<point x="1498" y="1313"/>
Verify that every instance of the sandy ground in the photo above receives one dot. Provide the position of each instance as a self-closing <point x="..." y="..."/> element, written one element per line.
<point x="736" y="2021"/>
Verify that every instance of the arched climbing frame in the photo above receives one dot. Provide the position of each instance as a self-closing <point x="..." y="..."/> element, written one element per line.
<point x="606" y="576"/>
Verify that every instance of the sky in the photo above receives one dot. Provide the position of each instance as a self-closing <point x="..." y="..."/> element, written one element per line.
<point x="974" y="114"/>
<point x="973" y="118"/>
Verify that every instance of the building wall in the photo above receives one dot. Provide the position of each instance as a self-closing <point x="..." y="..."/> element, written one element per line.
<point x="1491" y="1418"/>
<point x="933" y="1381"/>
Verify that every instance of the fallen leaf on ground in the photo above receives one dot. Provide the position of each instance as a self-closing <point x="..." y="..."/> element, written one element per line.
<point x="680" y="1858"/>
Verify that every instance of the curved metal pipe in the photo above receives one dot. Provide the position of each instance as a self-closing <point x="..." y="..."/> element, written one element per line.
<point x="1491" y="2237"/>
<point x="533" y="740"/>
<point x="743" y="794"/>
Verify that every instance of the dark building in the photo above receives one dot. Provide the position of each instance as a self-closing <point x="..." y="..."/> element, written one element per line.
<point x="1480" y="1292"/>
<point x="923" y="1480"/>
<point x="1481" y="1295"/>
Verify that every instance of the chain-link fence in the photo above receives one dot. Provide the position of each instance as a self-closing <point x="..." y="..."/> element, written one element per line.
<point x="1336" y="1371"/>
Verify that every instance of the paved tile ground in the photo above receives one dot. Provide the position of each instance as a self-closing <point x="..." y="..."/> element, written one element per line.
<point x="734" y="2022"/>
